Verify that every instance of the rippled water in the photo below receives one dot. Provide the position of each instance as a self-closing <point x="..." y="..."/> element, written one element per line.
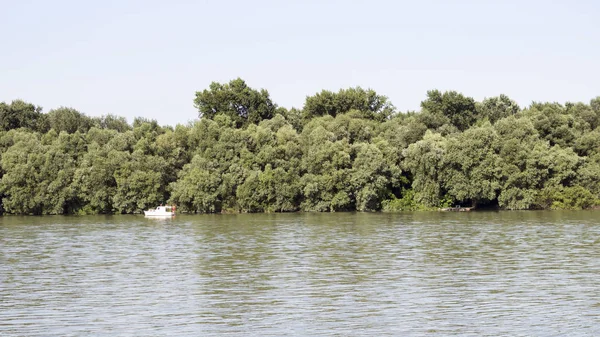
<point x="421" y="274"/>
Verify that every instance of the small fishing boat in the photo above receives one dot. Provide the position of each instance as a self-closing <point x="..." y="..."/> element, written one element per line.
<point x="162" y="211"/>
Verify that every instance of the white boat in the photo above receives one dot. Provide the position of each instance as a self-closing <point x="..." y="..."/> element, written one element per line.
<point x="161" y="211"/>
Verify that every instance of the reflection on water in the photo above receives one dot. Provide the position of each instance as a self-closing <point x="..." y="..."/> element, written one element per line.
<point x="415" y="274"/>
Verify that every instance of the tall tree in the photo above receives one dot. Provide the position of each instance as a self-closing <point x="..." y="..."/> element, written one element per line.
<point x="20" y="114"/>
<point x="112" y="122"/>
<point x="237" y="100"/>
<point x="368" y="102"/>
<point x="459" y="109"/>
<point x="68" y="120"/>
<point x="472" y="166"/>
<point x="39" y="174"/>
<point x="554" y="123"/>
<point x="496" y="108"/>
<point x="326" y="163"/>
<point x="369" y="177"/>
<point x="425" y="161"/>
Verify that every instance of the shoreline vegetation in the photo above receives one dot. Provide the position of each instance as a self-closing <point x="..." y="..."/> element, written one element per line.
<point x="349" y="150"/>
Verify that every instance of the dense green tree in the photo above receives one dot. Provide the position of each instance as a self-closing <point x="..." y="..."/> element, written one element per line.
<point x="95" y="178"/>
<point x="521" y="173"/>
<point x="435" y="122"/>
<point x="343" y="151"/>
<point x="326" y="163"/>
<point x="553" y="123"/>
<point x="271" y="163"/>
<point x="293" y="116"/>
<point x="270" y="190"/>
<point x="588" y="175"/>
<point x="425" y="161"/>
<point x="496" y="108"/>
<point x="561" y="197"/>
<point x="38" y="176"/>
<point x="140" y="183"/>
<point x="460" y="110"/>
<point x="403" y="132"/>
<point x="112" y="122"/>
<point x="20" y="114"/>
<point x="472" y="169"/>
<point x="369" y="177"/>
<point x="237" y="100"/>
<point x="585" y="118"/>
<point x="595" y="105"/>
<point x="68" y="120"/>
<point x="529" y="163"/>
<point x="198" y="188"/>
<point x="367" y="102"/>
<point x="173" y="147"/>
<point x="395" y="136"/>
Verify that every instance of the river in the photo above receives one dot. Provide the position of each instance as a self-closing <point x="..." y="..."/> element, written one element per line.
<point x="340" y="274"/>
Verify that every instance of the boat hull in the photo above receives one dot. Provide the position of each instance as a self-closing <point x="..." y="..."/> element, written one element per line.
<point x="156" y="214"/>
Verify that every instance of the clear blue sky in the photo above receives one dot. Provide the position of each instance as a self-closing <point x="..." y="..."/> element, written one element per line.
<point x="148" y="58"/>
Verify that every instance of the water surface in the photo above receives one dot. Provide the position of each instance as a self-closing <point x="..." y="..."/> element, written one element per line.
<point x="341" y="274"/>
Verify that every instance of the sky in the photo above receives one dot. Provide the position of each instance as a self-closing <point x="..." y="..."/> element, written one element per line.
<point x="148" y="58"/>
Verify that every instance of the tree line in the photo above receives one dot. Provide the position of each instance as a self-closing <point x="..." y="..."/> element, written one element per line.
<point x="349" y="150"/>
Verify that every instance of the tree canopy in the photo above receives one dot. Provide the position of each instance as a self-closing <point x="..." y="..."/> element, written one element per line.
<point x="237" y="100"/>
<point x="349" y="150"/>
<point x="367" y="102"/>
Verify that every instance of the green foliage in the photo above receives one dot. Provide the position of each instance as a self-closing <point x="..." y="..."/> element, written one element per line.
<point x="326" y="164"/>
<point x="20" y="114"/>
<point x="271" y="190"/>
<point x="112" y="122"/>
<point x="459" y="110"/>
<point x="472" y="169"/>
<point x="38" y="176"/>
<point x="95" y="180"/>
<point x="68" y="120"/>
<point x="406" y="203"/>
<point x="140" y="183"/>
<point x="197" y="189"/>
<point x="528" y="163"/>
<point x="370" y="104"/>
<point x="586" y="118"/>
<point x="560" y="197"/>
<point x="588" y="175"/>
<point x="588" y="144"/>
<point x="496" y="108"/>
<point x="425" y="161"/>
<point x="235" y="99"/>
<point x="400" y="133"/>
<point x="343" y="151"/>
<point x="554" y="123"/>
<point x="369" y="177"/>
<point x="515" y="198"/>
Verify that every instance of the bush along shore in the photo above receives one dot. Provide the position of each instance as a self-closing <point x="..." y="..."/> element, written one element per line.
<point x="349" y="150"/>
